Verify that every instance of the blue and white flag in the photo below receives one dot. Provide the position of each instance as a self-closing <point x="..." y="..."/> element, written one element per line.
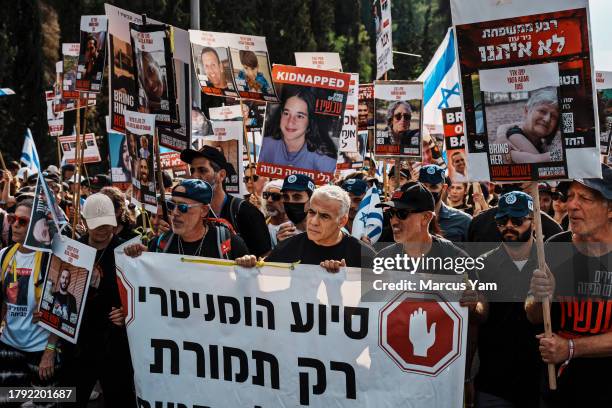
<point x="440" y="84"/>
<point x="6" y="91"/>
<point x="369" y="219"/>
<point x="29" y="155"/>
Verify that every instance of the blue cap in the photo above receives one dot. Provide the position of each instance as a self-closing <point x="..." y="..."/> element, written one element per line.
<point x="298" y="182"/>
<point x="355" y="186"/>
<point x="195" y="189"/>
<point x="514" y="204"/>
<point x="432" y="174"/>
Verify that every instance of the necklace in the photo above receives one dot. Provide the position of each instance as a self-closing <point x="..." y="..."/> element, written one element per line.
<point x="198" y="251"/>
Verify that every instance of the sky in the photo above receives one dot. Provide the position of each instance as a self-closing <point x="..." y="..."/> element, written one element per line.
<point x="601" y="27"/>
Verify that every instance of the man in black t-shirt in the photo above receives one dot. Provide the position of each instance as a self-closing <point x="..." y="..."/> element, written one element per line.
<point x="580" y="278"/>
<point x="209" y="164"/>
<point x="190" y="235"/>
<point x="323" y="243"/>
<point x="507" y="346"/>
<point x="64" y="303"/>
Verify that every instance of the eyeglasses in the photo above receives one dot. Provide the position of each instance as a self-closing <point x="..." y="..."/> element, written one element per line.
<point x="398" y="116"/>
<point x="21" y="221"/>
<point x="273" y="196"/>
<point x="516" y="221"/>
<point x="248" y="178"/>
<point x="400" y="213"/>
<point x="182" y="207"/>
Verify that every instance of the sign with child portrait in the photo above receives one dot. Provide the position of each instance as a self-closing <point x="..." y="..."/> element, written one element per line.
<point x="65" y="287"/>
<point x="528" y="89"/>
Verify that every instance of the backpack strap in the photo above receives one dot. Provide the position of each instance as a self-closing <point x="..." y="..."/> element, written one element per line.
<point x="164" y="241"/>
<point x="41" y="262"/>
<point x="234" y="210"/>
<point x="6" y="259"/>
<point x="224" y="241"/>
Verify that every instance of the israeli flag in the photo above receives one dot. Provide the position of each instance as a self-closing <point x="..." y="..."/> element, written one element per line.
<point x="440" y="84"/>
<point x="29" y="155"/>
<point x="369" y="219"/>
<point x="6" y="91"/>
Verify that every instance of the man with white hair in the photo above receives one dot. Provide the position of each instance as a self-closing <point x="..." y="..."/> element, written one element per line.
<point x="274" y="207"/>
<point x="323" y="243"/>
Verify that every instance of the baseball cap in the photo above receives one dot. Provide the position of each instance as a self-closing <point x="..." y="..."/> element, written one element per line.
<point x="602" y="185"/>
<point x="195" y="189"/>
<point x="355" y="186"/>
<point x="514" y="204"/>
<point x="545" y="188"/>
<point x="298" y="182"/>
<point x="98" y="210"/>
<point x="412" y="196"/>
<point x="210" y="153"/>
<point x="403" y="172"/>
<point x="432" y="174"/>
<point x="101" y="180"/>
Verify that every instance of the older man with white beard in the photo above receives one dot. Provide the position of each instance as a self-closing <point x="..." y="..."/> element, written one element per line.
<point x="274" y="207"/>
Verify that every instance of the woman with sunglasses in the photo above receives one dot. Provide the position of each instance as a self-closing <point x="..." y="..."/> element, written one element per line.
<point x="399" y="116"/>
<point x="27" y="351"/>
<point x="559" y="206"/>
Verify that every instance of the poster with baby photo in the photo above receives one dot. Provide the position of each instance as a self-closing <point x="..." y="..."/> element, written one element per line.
<point x="251" y="67"/>
<point x="65" y="288"/>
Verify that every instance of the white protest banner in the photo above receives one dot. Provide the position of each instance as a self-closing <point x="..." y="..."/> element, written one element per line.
<point x="506" y="140"/>
<point x="603" y="84"/>
<point x="91" y="153"/>
<point x="211" y="335"/>
<point x="381" y="12"/>
<point x="66" y="286"/>
<point x="329" y="61"/>
<point x="398" y="119"/>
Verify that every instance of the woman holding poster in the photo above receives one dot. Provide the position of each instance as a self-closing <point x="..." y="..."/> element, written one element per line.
<point x="295" y="139"/>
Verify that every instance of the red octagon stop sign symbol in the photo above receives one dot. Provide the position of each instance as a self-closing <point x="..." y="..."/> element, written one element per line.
<point x="420" y="332"/>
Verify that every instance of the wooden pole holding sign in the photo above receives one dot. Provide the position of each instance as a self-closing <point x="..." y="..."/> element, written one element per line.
<point x="537" y="219"/>
<point x="2" y="161"/>
<point x="76" y="203"/>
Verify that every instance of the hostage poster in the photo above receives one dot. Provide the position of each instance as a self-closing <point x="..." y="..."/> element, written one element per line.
<point x="119" y="158"/>
<point x="381" y="14"/>
<point x="267" y="336"/>
<point x="122" y="77"/>
<point x="46" y="219"/>
<point x="398" y="119"/>
<point x="55" y="120"/>
<point x="212" y="62"/>
<point x="528" y="88"/>
<point x="89" y="146"/>
<point x="454" y="141"/>
<point x="92" y="52"/>
<point x="61" y="104"/>
<point x="301" y="132"/>
<point x="139" y="131"/>
<point x="70" y="51"/>
<point x="66" y="286"/>
<point x="228" y="139"/>
<point x="155" y="87"/>
<point x="351" y="145"/>
<point x="329" y="61"/>
<point x="603" y="84"/>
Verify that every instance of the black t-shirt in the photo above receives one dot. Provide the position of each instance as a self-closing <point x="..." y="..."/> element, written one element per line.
<point x="300" y="248"/>
<point x="483" y="230"/>
<point x="582" y="304"/>
<point x="209" y="248"/>
<point x="507" y="346"/>
<point x="63" y="305"/>
<point x="250" y="224"/>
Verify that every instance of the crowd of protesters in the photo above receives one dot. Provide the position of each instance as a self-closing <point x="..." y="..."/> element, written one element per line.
<point x="290" y="220"/>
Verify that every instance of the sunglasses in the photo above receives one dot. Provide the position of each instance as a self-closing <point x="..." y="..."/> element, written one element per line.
<point x="516" y="221"/>
<point x="21" y="221"/>
<point x="182" y="207"/>
<point x="248" y="178"/>
<point x="399" y="116"/>
<point x="273" y="196"/>
<point x="400" y="213"/>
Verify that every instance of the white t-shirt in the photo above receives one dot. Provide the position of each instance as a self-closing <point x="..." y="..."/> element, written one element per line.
<point x="520" y="264"/>
<point x="273" y="229"/>
<point x="20" y="299"/>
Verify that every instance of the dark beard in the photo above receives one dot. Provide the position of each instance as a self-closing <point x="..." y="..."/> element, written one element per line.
<point x="519" y="238"/>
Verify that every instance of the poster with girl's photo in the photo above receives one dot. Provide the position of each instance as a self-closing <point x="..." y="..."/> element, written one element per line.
<point x="301" y="132"/>
<point x="603" y="84"/>
<point x="155" y="80"/>
<point x="70" y="52"/>
<point x="528" y="88"/>
<point x="398" y="119"/>
<point x="65" y="287"/>
<point x="251" y="67"/>
<point x="212" y="62"/>
<point x="92" y="52"/>
<point x="139" y="131"/>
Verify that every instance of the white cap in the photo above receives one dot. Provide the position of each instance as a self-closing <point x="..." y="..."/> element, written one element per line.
<point x="99" y="210"/>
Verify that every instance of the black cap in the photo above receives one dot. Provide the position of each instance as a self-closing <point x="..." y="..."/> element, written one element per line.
<point x="603" y="185"/>
<point x="298" y="182"/>
<point x="210" y="153"/>
<point x="355" y="186"/>
<point x="412" y="196"/>
<point x="403" y="172"/>
<point x="432" y="174"/>
<point x="166" y="179"/>
<point x="69" y="167"/>
<point x="101" y="180"/>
